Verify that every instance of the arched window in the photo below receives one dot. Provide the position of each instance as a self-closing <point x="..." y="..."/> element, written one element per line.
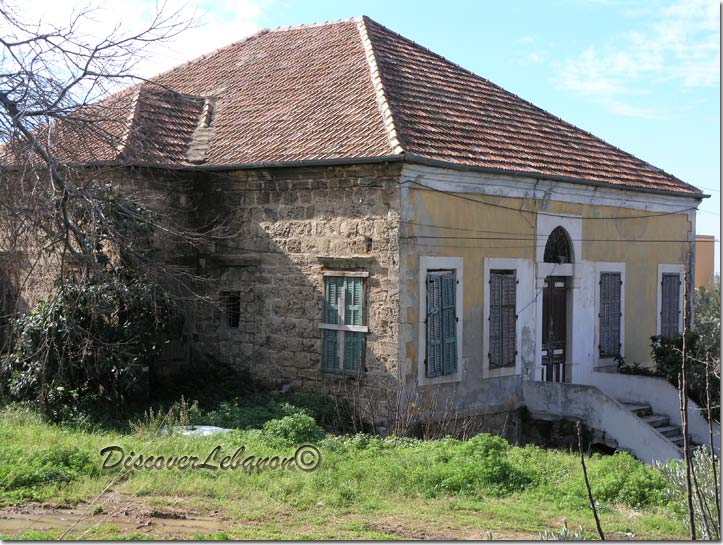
<point x="557" y="249"/>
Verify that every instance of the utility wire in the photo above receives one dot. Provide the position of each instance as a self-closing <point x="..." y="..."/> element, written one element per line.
<point x="542" y="212"/>
<point x="538" y="238"/>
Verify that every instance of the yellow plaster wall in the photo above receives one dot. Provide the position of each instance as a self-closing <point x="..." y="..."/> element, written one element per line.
<point x="621" y="240"/>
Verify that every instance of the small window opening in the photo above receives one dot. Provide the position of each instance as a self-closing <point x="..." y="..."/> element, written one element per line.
<point x="231" y="301"/>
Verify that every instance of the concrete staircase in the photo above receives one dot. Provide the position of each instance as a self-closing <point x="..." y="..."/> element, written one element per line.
<point x="659" y="422"/>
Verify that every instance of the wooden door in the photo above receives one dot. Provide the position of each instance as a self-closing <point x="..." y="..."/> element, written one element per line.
<point x="554" y="329"/>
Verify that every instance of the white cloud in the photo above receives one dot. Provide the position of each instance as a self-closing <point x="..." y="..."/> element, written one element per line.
<point x="216" y="23"/>
<point x="680" y="44"/>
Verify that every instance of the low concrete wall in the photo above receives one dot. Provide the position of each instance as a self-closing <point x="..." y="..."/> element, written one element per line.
<point x="662" y="398"/>
<point x="601" y="412"/>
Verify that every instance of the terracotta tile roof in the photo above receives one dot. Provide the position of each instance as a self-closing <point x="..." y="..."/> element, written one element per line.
<point x="350" y="90"/>
<point x="443" y="112"/>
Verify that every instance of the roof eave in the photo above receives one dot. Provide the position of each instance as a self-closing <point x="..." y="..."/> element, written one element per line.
<point x="413" y="158"/>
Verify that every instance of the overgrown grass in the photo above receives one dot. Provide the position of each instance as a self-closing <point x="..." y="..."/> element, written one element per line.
<point x="448" y="485"/>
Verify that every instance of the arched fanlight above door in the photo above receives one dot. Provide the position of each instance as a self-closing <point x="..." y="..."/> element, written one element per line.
<point x="558" y="248"/>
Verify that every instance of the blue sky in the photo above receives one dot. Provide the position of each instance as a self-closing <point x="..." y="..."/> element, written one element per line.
<point x="642" y="75"/>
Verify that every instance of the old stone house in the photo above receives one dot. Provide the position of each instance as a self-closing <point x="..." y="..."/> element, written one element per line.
<point x="410" y="234"/>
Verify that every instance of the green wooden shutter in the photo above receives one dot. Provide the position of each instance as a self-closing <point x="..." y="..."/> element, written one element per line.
<point x="333" y="287"/>
<point x="434" y="325"/>
<point x="353" y="315"/>
<point x="449" y="324"/>
<point x="332" y="292"/>
<point x="353" y="349"/>
<point x="330" y="358"/>
<point x="503" y="319"/>
<point x="354" y="297"/>
<point x="670" y="304"/>
<point x="610" y="314"/>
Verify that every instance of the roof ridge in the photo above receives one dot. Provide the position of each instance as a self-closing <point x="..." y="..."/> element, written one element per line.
<point x="381" y="97"/>
<point x="122" y="147"/>
<point x="538" y="108"/>
<point x="302" y="26"/>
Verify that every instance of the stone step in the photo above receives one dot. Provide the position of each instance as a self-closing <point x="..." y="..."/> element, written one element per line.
<point x="669" y="431"/>
<point x="657" y="420"/>
<point x="677" y="440"/>
<point x="641" y="409"/>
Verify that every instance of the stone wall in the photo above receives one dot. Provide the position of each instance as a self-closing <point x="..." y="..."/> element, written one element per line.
<point x="285" y="227"/>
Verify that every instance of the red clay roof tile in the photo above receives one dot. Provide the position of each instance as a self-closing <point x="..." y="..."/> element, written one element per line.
<point x="351" y="90"/>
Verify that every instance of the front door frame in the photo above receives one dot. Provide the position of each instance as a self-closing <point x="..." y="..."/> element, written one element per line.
<point x="555" y="348"/>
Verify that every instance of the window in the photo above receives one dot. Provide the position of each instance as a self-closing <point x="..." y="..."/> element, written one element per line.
<point x="343" y="330"/>
<point x="610" y="314"/>
<point x="502" y="319"/>
<point x="670" y="304"/>
<point x="441" y="324"/>
<point x="231" y="301"/>
<point x="557" y="248"/>
<point x="72" y="271"/>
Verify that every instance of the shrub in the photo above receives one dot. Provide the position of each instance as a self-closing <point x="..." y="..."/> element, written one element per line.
<point x="295" y="429"/>
<point x="91" y="347"/>
<point x="57" y="464"/>
<point x="479" y="466"/>
<point x="622" y="479"/>
<point x="252" y="411"/>
<point x="702" y="345"/>
<point x="667" y="353"/>
<point x="676" y="489"/>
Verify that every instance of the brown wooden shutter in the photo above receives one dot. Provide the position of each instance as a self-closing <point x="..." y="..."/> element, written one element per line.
<point x="502" y="319"/>
<point x="670" y="304"/>
<point x="434" y="325"/>
<point x="449" y="323"/>
<point x="610" y="314"/>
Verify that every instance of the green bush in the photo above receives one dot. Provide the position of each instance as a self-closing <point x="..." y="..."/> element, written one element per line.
<point x="622" y="479"/>
<point x="667" y="353"/>
<point x="702" y="345"/>
<point x="90" y="348"/>
<point x="252" y="411"/>
<point x="479" y="466"/>
<point x="294" y="429"/>
<point x="57" y="464"/>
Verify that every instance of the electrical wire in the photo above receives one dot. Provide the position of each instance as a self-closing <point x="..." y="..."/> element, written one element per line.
<point x="542" y="212"/>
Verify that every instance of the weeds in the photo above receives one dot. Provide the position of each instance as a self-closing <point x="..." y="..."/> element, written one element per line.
<point x="358" y="472"/>
<point x="564" y="534"/>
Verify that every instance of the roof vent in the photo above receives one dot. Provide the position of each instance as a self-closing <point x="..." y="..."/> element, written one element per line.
<point x="201" y="138"/>
<point x="209" y="109"/>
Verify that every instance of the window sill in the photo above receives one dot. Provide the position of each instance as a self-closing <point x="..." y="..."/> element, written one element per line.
<point x="342" y="327"/>
<point x="343" y="373"/>
<point x="444" y="379"/>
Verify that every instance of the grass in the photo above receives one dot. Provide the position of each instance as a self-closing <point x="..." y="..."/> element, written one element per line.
<point x="365" y="488"/>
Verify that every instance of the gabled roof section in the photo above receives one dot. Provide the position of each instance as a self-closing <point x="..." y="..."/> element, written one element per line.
<point x="445" y="113"/>
<point x="343" y="91"/>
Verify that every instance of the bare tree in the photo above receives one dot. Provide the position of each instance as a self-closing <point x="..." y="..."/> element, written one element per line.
<point x="75" y="194"/>
<point x="60" y="132"/>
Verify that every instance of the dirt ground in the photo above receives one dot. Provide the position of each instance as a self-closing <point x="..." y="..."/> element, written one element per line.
<point x="131" y="516"/>
<point x="127" y="514"/>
